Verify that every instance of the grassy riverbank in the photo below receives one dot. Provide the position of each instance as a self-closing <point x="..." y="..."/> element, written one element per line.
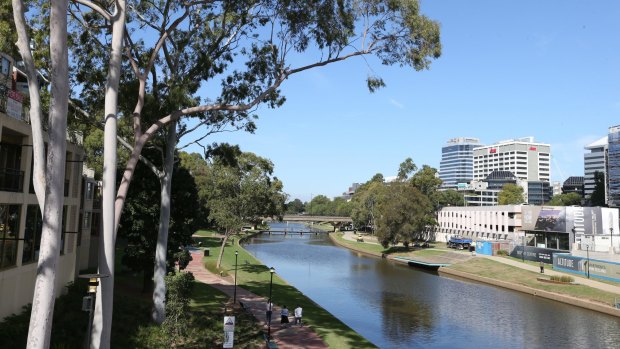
<point x="502" y="272"/>
<point x="254" y="276"/>
<point x="480" y="266"/>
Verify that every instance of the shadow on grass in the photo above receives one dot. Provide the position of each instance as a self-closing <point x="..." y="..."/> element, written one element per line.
<point x="321" y="321"/>
<point x="208" y="241"/>
<point x="254" y="268"/>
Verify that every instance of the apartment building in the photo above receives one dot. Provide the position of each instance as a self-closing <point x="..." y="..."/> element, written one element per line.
<point x="20" y="217"/>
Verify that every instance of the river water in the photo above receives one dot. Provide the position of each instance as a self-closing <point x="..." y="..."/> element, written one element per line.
<point x="396" y="306"/>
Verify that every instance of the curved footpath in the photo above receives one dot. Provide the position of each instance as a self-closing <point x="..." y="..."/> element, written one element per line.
<point x="584" y="303"/>
<point x="293" y="337"/>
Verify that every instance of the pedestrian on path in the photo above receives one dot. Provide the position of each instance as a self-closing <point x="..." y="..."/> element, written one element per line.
<point x="298" y="312"/>
<point x="284" y="316"/>
<point x="269" y="311"/>
<point x="542" y="267"/>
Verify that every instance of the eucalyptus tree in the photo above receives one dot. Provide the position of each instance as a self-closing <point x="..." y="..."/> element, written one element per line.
<point x="406" y="214"/>
<point x="173" y="48"/>
<point x="48" y="177"/>
<point x="243" y="190"/>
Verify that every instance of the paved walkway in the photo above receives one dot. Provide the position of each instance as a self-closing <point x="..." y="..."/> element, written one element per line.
<point x="293" y="337"/>
<point x="548" y="271"/>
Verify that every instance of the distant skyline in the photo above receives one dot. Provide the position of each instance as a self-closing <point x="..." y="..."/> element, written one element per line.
<point x="509" y="69"/>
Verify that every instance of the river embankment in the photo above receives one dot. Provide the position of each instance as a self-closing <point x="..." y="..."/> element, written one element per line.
<point x="255" y="277"/>
<point x="515" y="276"/>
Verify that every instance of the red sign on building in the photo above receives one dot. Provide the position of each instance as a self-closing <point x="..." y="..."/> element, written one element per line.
<point x="493" y="150"/>
<point x="532" y="148"/>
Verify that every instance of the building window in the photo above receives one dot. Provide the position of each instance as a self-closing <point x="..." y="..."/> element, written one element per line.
<point x="86" y="221"/>
<point x="90" y="190"/>
<point x="32" y="234"/>
<point x="9" y="230"/>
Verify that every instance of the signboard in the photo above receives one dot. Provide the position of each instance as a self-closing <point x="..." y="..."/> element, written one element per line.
<point x="536" y="254"/>
<point x="579" y="265"/>
<point x="229" y="331"/>
<point x="229" y="339"/>
<point x="229" y="323"/>
<point x="584" y="220"/>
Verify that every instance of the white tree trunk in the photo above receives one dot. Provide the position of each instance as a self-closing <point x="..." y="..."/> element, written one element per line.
<point x="102" y="321"/>
<point x="159" y="293"/>
<point x="219" y="257"/>
<point x="36" y="114"/>
<point x="40" y="328"/>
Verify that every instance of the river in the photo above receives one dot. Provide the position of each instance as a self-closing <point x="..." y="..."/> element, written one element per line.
<point x="396" y="306"/>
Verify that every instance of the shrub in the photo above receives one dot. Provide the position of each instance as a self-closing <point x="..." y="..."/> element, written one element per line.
<point x="179" y="288"/>
<point x="502" y="252"/>
<point x="562" y="278"/>
<point x="183" y="258"/>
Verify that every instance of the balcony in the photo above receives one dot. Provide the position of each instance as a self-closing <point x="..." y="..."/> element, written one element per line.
<point x="11" y="180"/>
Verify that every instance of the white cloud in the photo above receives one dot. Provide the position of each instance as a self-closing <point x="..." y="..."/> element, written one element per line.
<point x="397" y="104"/>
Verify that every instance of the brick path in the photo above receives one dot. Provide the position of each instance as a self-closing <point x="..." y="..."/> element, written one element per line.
<point x="293" y="337"/>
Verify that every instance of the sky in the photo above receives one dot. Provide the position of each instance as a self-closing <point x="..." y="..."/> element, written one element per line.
<point x="509" y="69"/>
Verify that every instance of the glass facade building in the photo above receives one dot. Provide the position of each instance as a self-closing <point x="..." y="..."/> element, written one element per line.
<point x="613" y="167"/>
<point x="456" y="164"/>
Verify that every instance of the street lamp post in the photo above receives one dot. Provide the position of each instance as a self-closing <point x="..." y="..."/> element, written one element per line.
<point x="235" y="292"/>
<point x="523" y="252"/>
<point x="271" y="271"/>
<point x="588" y="259"/>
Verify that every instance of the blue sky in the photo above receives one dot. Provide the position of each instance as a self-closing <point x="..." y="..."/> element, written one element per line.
<point x="548" y="69"/>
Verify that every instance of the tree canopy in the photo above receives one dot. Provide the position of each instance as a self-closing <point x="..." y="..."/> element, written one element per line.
<point x="511" y="194"/>
<point x="567" y="199"/>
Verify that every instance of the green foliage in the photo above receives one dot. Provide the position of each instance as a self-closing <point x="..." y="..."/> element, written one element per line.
<point x="183" y="258"/>
<point x="179" y="289"/>
<point x="502" y="253"/>
<point x="374" y="83"/>
<point x="565" y="200"/>
<point x="295" y="207"/>
<point x="243" y="191"/>
<point x="562" y="278"/>
<point x="405" y="169"/>
<point x="450" y="197"/>
<point x="366" y="201"/>
<point x="140" y="221"/>
<point x="405" y="215"/>
<point x="511" y="194"/>
<point x="597" y="198"/>
<point x="427" y="182"/>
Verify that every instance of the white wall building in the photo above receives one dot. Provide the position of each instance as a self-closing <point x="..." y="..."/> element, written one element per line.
<point x="525" y="158"/>
<point x="20" y="217"/>
<point x="480" y="223"/>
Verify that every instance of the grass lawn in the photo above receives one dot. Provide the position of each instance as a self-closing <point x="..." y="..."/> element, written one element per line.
<point x="254" y="276"/>
<point x="499" y="271"/>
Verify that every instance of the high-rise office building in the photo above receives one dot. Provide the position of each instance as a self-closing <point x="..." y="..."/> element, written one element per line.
<point x="594" y="161"/>
<point x="613" y="166"/>
<point x="528" y="160"/>
<point x="457" y="161"/>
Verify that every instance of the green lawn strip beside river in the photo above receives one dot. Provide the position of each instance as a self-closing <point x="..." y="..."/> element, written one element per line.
<point x="507" y="273"/>
<point x="253" y="276"/>
<point x="485" y="267"/>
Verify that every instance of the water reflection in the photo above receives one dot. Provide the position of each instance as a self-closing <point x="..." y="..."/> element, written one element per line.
<point x="395" y="306"/>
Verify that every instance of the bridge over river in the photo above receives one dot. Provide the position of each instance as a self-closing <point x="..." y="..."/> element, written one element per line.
<point x="308" y="218"/>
